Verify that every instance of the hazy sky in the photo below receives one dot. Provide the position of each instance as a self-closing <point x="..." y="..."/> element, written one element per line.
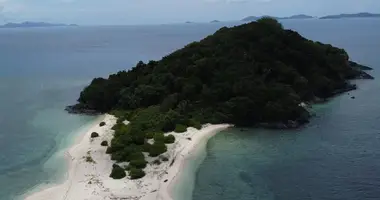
<point x="169" y="11"/>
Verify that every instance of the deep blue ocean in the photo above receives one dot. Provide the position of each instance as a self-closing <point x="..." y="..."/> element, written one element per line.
<point x="43" y="69"/>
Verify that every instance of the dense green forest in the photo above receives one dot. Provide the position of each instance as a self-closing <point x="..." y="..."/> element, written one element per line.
<point x="248" y="75"/>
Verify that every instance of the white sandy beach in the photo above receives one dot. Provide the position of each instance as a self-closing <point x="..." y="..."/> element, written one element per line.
<point x="91" y="181"/>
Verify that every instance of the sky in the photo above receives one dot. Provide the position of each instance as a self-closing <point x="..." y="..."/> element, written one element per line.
<point x="120" y="12"/>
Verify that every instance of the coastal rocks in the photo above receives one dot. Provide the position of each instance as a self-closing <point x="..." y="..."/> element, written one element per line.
<point x="81" y="109"/>
<point x="290" y="124"/>
<point x="361" y="74"/>
<point x="364" y="75"/>
<point x="102" y="124"/>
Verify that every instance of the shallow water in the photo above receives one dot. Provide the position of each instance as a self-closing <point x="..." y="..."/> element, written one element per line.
<point x="335" y="157"/>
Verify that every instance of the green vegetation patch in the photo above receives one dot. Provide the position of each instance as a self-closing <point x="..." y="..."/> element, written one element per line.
<point x="136" y="173"/>
<point x="157" y="149"/>
<point x="117" y="172"/>
<point x="179" y="128"/>
<point x="138" y="164"/>
<point x="169" y="139"/>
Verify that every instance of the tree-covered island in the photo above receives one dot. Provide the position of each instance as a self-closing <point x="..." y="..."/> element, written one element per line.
<point x="255" y="74"/>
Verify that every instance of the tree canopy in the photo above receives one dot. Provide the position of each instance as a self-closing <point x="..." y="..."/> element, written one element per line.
<point x="246" y="75"/>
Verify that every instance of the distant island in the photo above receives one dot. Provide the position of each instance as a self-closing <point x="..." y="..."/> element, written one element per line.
<point x="301" y="16"/>
<point x="215" y="21"/>
<point x="33" y="24"/>
<point x="357" y="15"/>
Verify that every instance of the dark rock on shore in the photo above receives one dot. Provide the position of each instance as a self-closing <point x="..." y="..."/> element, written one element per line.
<point x="81" y="109"/>
<point x="359" y="66"/>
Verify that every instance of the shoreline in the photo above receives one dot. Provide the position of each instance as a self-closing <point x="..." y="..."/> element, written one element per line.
<point x="90" y="180"/>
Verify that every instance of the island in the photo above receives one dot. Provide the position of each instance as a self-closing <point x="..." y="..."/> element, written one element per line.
<point x="357" y="15"/>
<point x="300" y="16"/>
<point x="215" y="21"/>
<point x="33" y="24"/>
<point x="158" y="113"/>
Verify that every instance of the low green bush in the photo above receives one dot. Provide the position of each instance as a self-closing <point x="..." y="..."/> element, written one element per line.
<point x="135" y="156"/>
<point x="136" y="173"/>
<point x="164" y="158"/>
<point x="179" y="128"/>
<point x="146" y="147"/>
<point x="117" y="172"/>
<point x="157" y="149"/>
<point x="138" y="164"/>
<point x="104" y="144"/>
<point x="159" y="137"/>
<point x="169" y="139"/>
<point x="94" y="135"/>
<point x="109" y="150"/>
<point x="157" y="162"/>
<point x="194" y="123"/>
<point x="149" y="135"/>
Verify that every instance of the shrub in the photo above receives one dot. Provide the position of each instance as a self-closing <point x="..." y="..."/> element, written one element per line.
<point x="179" y="128"/>
<point x="149" y="135"/>
<point x="157" y="162"/>
<point x="138" y="164"/>
<point x="94" y="135"/>
<point x="109" y="150"/>
<point x="104" y="144"/>
<point x="89" y="159"/>
<point x="146" y="147"/>
<point x="194" y="123"/>
<point x="169" y="139"/>
<point x="117" y="172"/>
<point x="157" y="149"/>
<point x="135" y="156"/>
<point x="102" y="124"/>
<point x="164" y="158"/>
<point x="159" y="137"/>
<point x="136" y="173"/>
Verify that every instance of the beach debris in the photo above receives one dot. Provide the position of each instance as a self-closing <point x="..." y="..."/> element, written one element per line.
<point x="166" y="180"/>
<point x="353" y="97"/>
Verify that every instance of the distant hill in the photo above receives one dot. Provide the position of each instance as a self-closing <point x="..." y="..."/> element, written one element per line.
<point x="32" y="24"/>
<point x="215" y="21"/>
<point x="301" y="16"/>
<point x="357" y="15"/>
<point x="250" y="18"/>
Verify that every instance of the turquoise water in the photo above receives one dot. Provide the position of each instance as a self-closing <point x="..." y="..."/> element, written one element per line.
<point x="335" y="157"/>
